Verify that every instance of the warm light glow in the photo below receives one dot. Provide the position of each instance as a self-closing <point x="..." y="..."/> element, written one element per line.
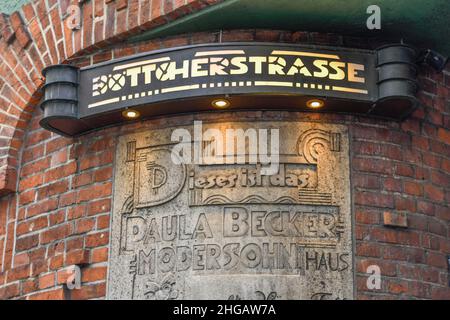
<point x="220" y="103"/>
<point x="131" y="114"/>
<point x="314" y="103"/>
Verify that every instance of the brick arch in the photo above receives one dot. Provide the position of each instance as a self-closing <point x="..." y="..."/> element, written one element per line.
<point x="65" y="188"/>
<point x="38" y="35"/>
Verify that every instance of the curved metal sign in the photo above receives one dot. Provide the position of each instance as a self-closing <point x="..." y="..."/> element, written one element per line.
<point x="252" y="75"/>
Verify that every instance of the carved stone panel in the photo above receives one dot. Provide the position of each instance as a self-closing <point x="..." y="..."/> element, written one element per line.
<point x="228" y="231"/>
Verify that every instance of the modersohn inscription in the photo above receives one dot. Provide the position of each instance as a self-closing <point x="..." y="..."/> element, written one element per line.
<point x="226" y="231"/>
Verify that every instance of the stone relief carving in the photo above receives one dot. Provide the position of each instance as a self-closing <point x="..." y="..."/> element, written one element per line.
<point x="178" y="229"/>
<point x="165" y="290"/>
<point x="153" y="167"/>
<point x="310" y="141"/>
<point x="259" y="295"/>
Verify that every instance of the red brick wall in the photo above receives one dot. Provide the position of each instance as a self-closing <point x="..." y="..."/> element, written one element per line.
<point x="38" y="35"/>
<point x="60" y="212"/>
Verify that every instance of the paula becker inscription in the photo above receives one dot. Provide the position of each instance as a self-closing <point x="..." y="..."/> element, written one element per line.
<point x="226" y="231"/>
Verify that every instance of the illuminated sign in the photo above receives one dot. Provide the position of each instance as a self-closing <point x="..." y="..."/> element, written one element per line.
<point x="243" y="69"/>
<point x="255" y="75"/>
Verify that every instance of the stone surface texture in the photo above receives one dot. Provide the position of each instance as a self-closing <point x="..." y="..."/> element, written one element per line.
<point x="228" y="231"/>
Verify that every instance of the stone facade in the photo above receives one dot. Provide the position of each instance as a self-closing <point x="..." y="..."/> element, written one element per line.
<point x="56" y="205"/>
<point x="219" y="231"/>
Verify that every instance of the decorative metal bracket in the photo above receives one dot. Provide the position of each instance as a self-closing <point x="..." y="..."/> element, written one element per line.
<point x="397" y="84"/>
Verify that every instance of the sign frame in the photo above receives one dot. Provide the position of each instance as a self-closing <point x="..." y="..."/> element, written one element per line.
<point x="262" y="76"/>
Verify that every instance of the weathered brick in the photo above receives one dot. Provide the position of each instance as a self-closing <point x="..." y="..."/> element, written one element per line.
<point x="56" y="233"/>
<point x="433" y="193"/>
<point x="99" y="206"/>
<point x="60" y="172"/>
<point x="56" y="262"/>
<point x="23" y="37"/>
<point x="43" y="206"/>
<point x="53" y="189"/>
<point x="95" y="192"/>
<point x="56" y="294"/>
<point x="77" y="257"/>
<point x="27" y="242"/>
<point x="89" y="292"/>
<point x="94" y="274"/>
<point x="394" y="219"/>
<point x="413" y="188"/>
<point x="18" y="273"/>
<point x="97" y="239"/>
<point x="99" y="255"/>
<point x="374" y="199"/>
<point x="404" y="170"/>
<point x="47" y="280"/>
<point x="9" y="291"/>
<point x="32" y="225"/>
<point x="84" y="225"/>
<point x="29" y="286"/>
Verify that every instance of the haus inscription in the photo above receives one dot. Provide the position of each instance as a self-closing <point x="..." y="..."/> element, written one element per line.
<point x="228" y="231"/>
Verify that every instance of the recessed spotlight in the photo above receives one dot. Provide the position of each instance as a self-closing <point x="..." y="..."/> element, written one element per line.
<point x="220" y="103"/>
<point x="131" y="114"/>
<point x="315" y="103"/>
